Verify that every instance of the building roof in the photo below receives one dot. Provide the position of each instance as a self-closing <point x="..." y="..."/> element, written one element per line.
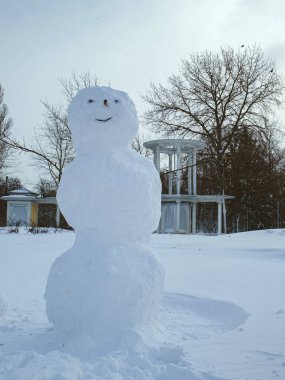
<point x="21" y="194"/>
<point x="22" y="191"/>
<point x="25" y="195"/>
<point x="219" y="198"/>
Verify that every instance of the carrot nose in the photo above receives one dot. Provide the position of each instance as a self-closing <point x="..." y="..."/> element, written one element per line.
<point x="105" y="102"/>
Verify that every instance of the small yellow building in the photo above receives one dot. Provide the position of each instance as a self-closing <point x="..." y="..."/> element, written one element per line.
<point x="23" y="207"/>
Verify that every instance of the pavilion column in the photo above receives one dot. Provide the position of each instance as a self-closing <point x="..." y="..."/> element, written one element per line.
<point x="8" y="214"/>
<point x="170" y="176"/>
<point x="194" y="172"/>
<point x="219" y="218"/>
<point x="177" y="221"/>
<point x="189" y="163"/>
<point x="57" y="216"/>
<point x="156" y="158"/>
<point x="178" y="170"/>
<point x="194" y="207"/>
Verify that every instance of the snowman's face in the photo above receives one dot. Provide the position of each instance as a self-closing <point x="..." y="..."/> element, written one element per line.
<point x="101" y="115"/>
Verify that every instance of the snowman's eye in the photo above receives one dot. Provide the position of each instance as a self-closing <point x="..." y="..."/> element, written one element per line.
<point x="91" y="101"/>
<point x="116" y="101"/>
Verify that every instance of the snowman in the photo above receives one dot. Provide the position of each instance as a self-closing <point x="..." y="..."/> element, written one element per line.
<point x="108" y="285"/>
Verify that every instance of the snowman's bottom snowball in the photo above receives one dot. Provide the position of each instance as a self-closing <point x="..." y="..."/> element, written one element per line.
<point x="104" y="293"/>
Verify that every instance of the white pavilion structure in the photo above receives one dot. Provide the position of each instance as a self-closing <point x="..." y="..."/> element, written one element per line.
<point x="178" y="211"/>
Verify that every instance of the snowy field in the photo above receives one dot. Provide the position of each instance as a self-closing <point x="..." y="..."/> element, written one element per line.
<point x="222" y="317"/>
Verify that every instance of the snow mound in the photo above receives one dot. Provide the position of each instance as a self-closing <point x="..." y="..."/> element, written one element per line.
<point x="198" y="318"/>
<point x="122" y="366"/>
<point x="3" y="305"/>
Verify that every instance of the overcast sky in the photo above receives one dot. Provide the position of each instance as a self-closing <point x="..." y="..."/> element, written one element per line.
<point x="126" y="43"/>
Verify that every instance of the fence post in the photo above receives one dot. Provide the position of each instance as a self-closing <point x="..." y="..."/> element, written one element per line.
<point x="278" y="214"/>
<point x="219" y="218"/>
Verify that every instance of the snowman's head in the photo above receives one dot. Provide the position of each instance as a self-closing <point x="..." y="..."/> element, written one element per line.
<point x="102" y="116"/>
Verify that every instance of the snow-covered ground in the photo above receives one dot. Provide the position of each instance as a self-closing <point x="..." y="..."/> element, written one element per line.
<point x="222" y="317"/>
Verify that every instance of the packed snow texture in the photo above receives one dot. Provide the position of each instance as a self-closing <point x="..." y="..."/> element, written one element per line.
<point x="108" y="286"/>
<point x="3" y="305"/>
<point x="222" y="314"/>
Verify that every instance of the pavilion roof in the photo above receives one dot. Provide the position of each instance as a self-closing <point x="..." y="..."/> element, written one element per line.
<point x="171" y="145"/>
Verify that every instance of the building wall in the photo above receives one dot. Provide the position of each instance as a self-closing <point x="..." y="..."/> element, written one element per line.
<point x="3" y="213"/>
<point x="34" y="213"/>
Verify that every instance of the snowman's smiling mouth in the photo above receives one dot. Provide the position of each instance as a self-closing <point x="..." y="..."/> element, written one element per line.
<point x="104" y="120"/>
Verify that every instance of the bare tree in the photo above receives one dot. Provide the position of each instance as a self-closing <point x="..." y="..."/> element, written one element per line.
<point x="138" y="146"/>
<point x="52" y="148"/>
<point x="9" y="183"/>
<point x="215" y="96"/>
<point x="77" y="82"/>
<point x="46" y="188"/>
<point x="5" y="130"/>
